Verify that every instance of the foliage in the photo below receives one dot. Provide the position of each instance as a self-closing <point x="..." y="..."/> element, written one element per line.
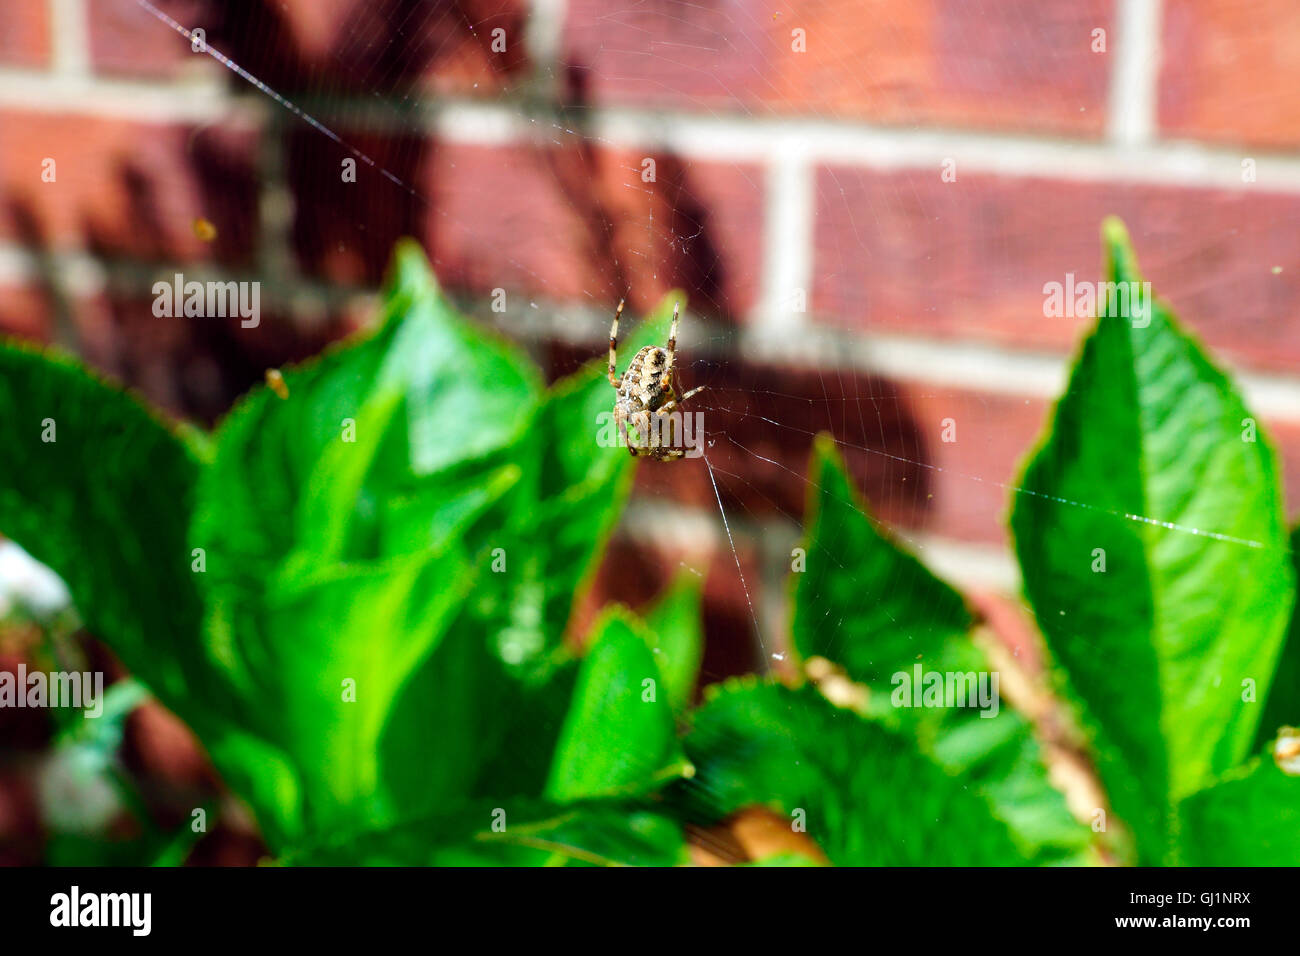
<point x="360" y="598"/>
<point x="1168" y="653"/>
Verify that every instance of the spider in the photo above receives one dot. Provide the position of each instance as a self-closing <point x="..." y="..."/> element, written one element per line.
<point x="646" y="389"/>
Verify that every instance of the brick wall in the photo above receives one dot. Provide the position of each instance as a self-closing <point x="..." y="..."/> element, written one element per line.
<point x="778" y="173"/>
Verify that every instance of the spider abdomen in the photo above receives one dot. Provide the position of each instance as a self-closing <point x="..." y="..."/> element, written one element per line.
<point x="643" y="385"/>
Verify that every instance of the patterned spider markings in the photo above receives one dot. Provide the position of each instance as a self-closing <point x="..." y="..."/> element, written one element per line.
<point x="646" y="397"/>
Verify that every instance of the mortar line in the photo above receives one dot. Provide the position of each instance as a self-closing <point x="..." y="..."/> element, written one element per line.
<point x="69" y="37"/>
<point x="1135" y="73"/>
<point x="787" y="266"/>
<point x="719" y="138"/>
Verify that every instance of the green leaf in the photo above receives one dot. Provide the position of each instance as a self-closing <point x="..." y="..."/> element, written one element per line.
<point x="517" y="832"/>
<point x="784" y="859"/>
<point x="505" y="727"/>
<point x="862" y="601"/>
<point x="264" y="775"/>
<point x="558" y="519"/>
<point x="868" y="796"/>
<point x="330" y="522"/>
<point x="1146" y="461"/>
<point x="677" y="637"/>
<point x="999" y="759"/>
<point x="364" y="630"/>
<point x="868" y="605"/>
<point x="522" y="752"/>
<point x="468" y="393"/>
<point x="1252" y="818"/>
<point x="318" y="472"/>
<point x="1283" y="700"/>
<point x="451" y="714"/>
<point x="106" y="503"/>
<point x="174" y="849"/>
<point x="148" y="849"/>
<point x="618" y="737"/>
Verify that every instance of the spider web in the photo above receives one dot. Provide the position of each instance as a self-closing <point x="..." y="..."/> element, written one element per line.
<point x="773" y="380"/>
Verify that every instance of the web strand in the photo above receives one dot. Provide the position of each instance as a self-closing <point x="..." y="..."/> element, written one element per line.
<point x="758" y="632"/>
<point x="285" y="102"/>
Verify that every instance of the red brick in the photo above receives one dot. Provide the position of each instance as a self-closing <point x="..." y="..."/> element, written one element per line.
<point x="127" y="189"/>
<point x="194" y="366"/>
<point x="974" y="481"/>
<point x="323" y="47"/>
<point x="1230" y="73"/>
<point x="905" y="252"/>
<point x="1021" y="63"/>
<point x="25" y="32"/>
<point x="489" y="217"/>
<point x="500" y="219"/>
<point x="228" y="845"/>
<point x="694" y="225"/>
<point x="25" y="312"/>
<point x="564" y="223"/>
<point x="21" y="835"/>
<point x="363" y="47"/>
<point x="22" y="728"/>
<point x="974" y="477"/>
<point x="125" y="38"/>
<point x="345" y="231"/>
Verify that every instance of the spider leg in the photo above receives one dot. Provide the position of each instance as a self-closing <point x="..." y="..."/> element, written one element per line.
<point x="672" y="404"/>
<point x="613" y="346"/>
<point x="627" y="441"/>
<point x="670" y="413"/>
<point x="641" y="423"/>
<point x="672" y="348"/>
<point x="620" y="422"/>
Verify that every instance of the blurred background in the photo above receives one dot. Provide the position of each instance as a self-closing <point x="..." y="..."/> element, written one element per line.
<point x="862" y="199"/>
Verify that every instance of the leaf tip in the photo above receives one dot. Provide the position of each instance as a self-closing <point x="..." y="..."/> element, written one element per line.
<point x="824" y="447"/>
<point x="409" y="269"/>
<point x="1120" y="260"/>
<point x="1114" y="231"/>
